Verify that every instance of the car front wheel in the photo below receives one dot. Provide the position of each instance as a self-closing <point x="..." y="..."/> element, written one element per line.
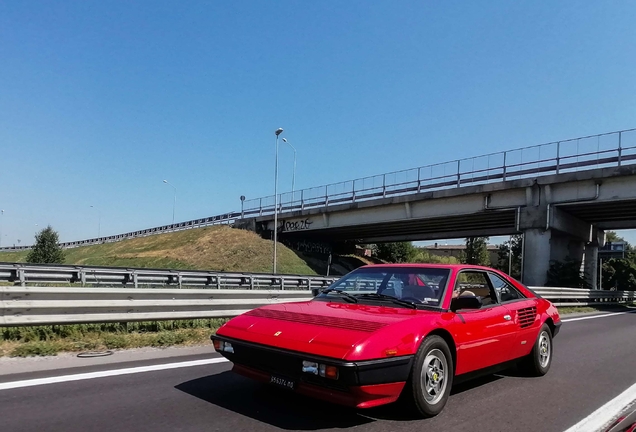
<point x="431" y="378"/>
<point x="538" y="362"/>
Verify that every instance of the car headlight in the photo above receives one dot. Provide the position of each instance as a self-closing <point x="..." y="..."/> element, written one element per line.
<point x="223" y="346"/>
<point x="323" y="370"/>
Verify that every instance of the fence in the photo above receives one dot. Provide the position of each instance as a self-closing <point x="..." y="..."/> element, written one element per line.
<point x="612" y="149"/>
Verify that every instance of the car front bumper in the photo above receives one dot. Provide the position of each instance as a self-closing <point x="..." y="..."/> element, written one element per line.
<point x="361" y="384"/>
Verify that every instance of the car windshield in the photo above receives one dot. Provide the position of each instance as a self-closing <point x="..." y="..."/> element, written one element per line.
<point x="415" y="285"/>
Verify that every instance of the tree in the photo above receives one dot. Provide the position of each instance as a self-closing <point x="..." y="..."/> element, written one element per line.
<point x="477" y="251"/>
<point x="504" y="253"/>
<point x="398" y="252"/>
<point x="619" y="274"/>
<point x="46" y="249"/>
<point x="424" y="256"/>
<point x="567" y="274"/>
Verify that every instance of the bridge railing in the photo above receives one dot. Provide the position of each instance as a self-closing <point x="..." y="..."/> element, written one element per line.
<point x="612" y="149"/>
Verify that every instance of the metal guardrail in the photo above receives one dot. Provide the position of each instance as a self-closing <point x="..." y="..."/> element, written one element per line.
<point x="28" y="305"/>
<point x="584" y="297"/>
<point x="612" y="149"/>
<point x="23" y="306"/>
<point x="25" y="274"/>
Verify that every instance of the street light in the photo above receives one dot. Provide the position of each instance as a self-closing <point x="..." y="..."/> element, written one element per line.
<point x="99" y="222"/>
<point x="242" y="200"/>
<point x="278" y="132"/>
<point x="294" y="171"/>
<point x="174" y="204"/>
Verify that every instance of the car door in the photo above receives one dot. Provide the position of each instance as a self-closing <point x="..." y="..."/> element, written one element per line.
<point x="523" y="314"/>
<point x="485" y="334"/>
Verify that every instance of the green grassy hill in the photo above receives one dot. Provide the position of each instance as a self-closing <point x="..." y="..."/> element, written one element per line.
<point x="218" y="248"/>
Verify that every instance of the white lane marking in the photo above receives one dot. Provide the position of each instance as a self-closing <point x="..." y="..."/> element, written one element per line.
<point x="107" y="373"/>
<point x="600" y="419"/>
<point x="596" y="316"/>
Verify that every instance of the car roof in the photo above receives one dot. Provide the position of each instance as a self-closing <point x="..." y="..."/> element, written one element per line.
<point x="430" y="265"/>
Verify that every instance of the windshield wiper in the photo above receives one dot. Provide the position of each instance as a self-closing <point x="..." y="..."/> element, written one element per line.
<point x="388" y="297"/>
<point x="342" y="293"/>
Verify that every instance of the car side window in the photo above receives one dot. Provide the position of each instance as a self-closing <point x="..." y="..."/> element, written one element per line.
<point x="505" y="291"/>
<point x="474" y="283"/>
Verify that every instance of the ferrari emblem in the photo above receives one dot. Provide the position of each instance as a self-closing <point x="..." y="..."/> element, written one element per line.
<point x="435" y="376"/>
<point x="277" y="333"/>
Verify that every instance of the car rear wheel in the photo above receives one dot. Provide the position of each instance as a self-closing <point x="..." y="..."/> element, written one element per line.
<point x="431" y="378"/>
<point x="538" y="362"/>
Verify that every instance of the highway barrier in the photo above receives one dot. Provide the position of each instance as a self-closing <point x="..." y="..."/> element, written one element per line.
<point x="584" y="297"/>
<point x="25" y="274"/>
<point x="23" y="306"/>
<point x="32" y="305"/>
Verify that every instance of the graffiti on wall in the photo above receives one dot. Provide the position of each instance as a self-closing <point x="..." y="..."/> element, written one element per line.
<point x="308" y="246"/>
<point x="290" y="226"/>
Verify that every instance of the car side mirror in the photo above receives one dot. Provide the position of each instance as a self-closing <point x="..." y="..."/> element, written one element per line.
<point x="466" y="303"/>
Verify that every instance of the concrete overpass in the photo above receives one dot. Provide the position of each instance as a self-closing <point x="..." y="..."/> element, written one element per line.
<point x="560" y="215"/>
<point x="561" y="196"/>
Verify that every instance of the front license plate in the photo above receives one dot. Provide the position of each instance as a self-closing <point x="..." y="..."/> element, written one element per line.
<point x="282" y="382"/>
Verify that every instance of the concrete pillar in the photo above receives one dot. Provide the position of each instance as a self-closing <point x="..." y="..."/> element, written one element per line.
<point x="550" y="234"/>
<point x="536" y="256"/>
<point x="591" y="264"/>
<point x="543" y="246"/>
<point x="591" y="257"/>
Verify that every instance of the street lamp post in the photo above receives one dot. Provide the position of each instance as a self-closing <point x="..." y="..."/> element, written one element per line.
<point x="278" y="132"/>
<point x="242" y="200"/>
<point x="174" y="203"/>
<point x="1" y="218"/>
<point x="99" y="222"/>
<point x="510" y="257"/>
<point x="294" y="171"/>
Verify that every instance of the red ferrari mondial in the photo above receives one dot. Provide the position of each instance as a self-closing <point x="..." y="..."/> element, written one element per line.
<point x="388" y="332"/>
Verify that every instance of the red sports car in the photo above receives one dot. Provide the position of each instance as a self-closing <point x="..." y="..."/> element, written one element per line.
<point x="388" y="332"/>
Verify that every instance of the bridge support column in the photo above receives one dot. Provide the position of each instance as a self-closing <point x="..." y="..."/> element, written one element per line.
<point x="591" y="257"/>
<point x="536" y="256"/>
<point x="550" y="235"/>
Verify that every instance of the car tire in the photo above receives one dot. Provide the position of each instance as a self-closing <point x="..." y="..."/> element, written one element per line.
<point x="538" y="362"/>
<point x="431" y="378"/>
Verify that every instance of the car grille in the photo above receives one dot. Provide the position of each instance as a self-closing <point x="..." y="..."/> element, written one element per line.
<point x="343" y="323"/>
<point x="526" y="316"/>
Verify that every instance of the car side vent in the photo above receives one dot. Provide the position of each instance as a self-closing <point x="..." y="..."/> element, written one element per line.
<point x="526" y="316"/>
<point x="345" y="323"/>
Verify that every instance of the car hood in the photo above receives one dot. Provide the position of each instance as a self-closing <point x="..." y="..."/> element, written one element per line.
<point x="322" y="328"/>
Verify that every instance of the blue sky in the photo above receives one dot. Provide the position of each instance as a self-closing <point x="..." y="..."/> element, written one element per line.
<point x="102" y="100"/>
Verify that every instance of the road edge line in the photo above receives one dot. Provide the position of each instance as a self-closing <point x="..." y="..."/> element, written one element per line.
<point x="107" y="373"/>
<point x="603" y="416"/>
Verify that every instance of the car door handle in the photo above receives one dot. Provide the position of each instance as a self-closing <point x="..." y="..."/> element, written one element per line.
<point x="507" y="317"/>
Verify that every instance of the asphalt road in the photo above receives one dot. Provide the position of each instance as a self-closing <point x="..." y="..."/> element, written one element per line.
<point x="593" y="362"/>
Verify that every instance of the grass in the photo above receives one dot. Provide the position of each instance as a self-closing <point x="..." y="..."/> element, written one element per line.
<point x="218" y="248"/>
<point x="50" y="340"/>
<point x="564" y="310"/>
